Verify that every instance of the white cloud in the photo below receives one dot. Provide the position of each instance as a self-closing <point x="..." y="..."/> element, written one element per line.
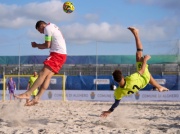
<point x="93" y="32"/>
<point x="105" y="32"/>
<point x="15" y="16"/>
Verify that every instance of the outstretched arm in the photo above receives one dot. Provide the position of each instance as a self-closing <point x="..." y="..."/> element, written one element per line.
<point x="106" y="113"/>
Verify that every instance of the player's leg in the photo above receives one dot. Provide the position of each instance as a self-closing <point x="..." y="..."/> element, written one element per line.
<point x="10" y="96"/>
<point x="139" y="57"/>
<point x="156" y="85"/>
<point x="139" y="47"/>
<point x="13" y="95"/>
<point x="41" y="78"/>
<point x="45" y="85"/>
<point x="27" y="100"/>
<point x="43" y="88"/>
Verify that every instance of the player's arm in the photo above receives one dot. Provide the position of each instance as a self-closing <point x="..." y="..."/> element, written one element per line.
<point x="106" y="113"/>
<point x="45" y="45"/>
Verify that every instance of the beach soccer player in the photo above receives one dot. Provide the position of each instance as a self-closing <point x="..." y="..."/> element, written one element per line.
<point x="136" y="81"/>
<point x="54" y="41"/>
<point x="32" y="79"/>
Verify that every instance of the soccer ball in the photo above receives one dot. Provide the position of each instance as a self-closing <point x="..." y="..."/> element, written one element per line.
<point x="68" y="7"/>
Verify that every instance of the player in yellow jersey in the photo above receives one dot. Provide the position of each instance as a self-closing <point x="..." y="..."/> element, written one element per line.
<point x="136" y="81"/>
<point x="32" y="79"/>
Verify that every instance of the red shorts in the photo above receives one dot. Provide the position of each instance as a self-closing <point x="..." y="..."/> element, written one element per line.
<point x="55" y="61"/>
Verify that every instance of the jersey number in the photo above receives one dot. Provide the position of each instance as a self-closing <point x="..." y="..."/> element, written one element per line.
<point x="131" y="92"/>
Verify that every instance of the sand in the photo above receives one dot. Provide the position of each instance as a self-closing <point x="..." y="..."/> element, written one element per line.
<point x="80" y="117"/>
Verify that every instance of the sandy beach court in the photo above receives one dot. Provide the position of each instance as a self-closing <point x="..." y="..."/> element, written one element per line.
<point x="82" y="117"/>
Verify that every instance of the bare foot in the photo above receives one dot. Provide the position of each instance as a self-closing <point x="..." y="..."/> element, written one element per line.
<point x="27" y="101"/>
<point x="22" y="96"/>
<point x="133" y="30"/>
<point x="32" y="102"/>
<point x="161" y="89"/>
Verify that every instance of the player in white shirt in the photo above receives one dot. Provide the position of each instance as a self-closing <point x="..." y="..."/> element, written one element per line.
<point x="54" y="40"/>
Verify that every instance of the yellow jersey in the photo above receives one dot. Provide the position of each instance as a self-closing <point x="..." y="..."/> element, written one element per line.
<point x="134" y="83"/>
<point x="32" y="79"/>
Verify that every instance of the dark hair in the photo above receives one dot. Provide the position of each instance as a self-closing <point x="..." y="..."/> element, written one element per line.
<point x="38" y="24"/>
<point x="117" y="75"/>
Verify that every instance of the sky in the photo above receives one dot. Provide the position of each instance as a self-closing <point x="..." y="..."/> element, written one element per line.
<point x="96" y="27"/>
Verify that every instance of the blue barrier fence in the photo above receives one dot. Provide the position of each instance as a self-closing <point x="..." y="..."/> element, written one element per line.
<point x="87" y="83"/>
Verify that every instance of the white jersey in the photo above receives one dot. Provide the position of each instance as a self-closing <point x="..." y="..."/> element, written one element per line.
<point x="53" y="34"/>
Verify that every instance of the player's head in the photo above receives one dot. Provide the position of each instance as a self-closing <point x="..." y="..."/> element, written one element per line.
<point x="40" y="25"/>
<point x="117" y="75"/>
